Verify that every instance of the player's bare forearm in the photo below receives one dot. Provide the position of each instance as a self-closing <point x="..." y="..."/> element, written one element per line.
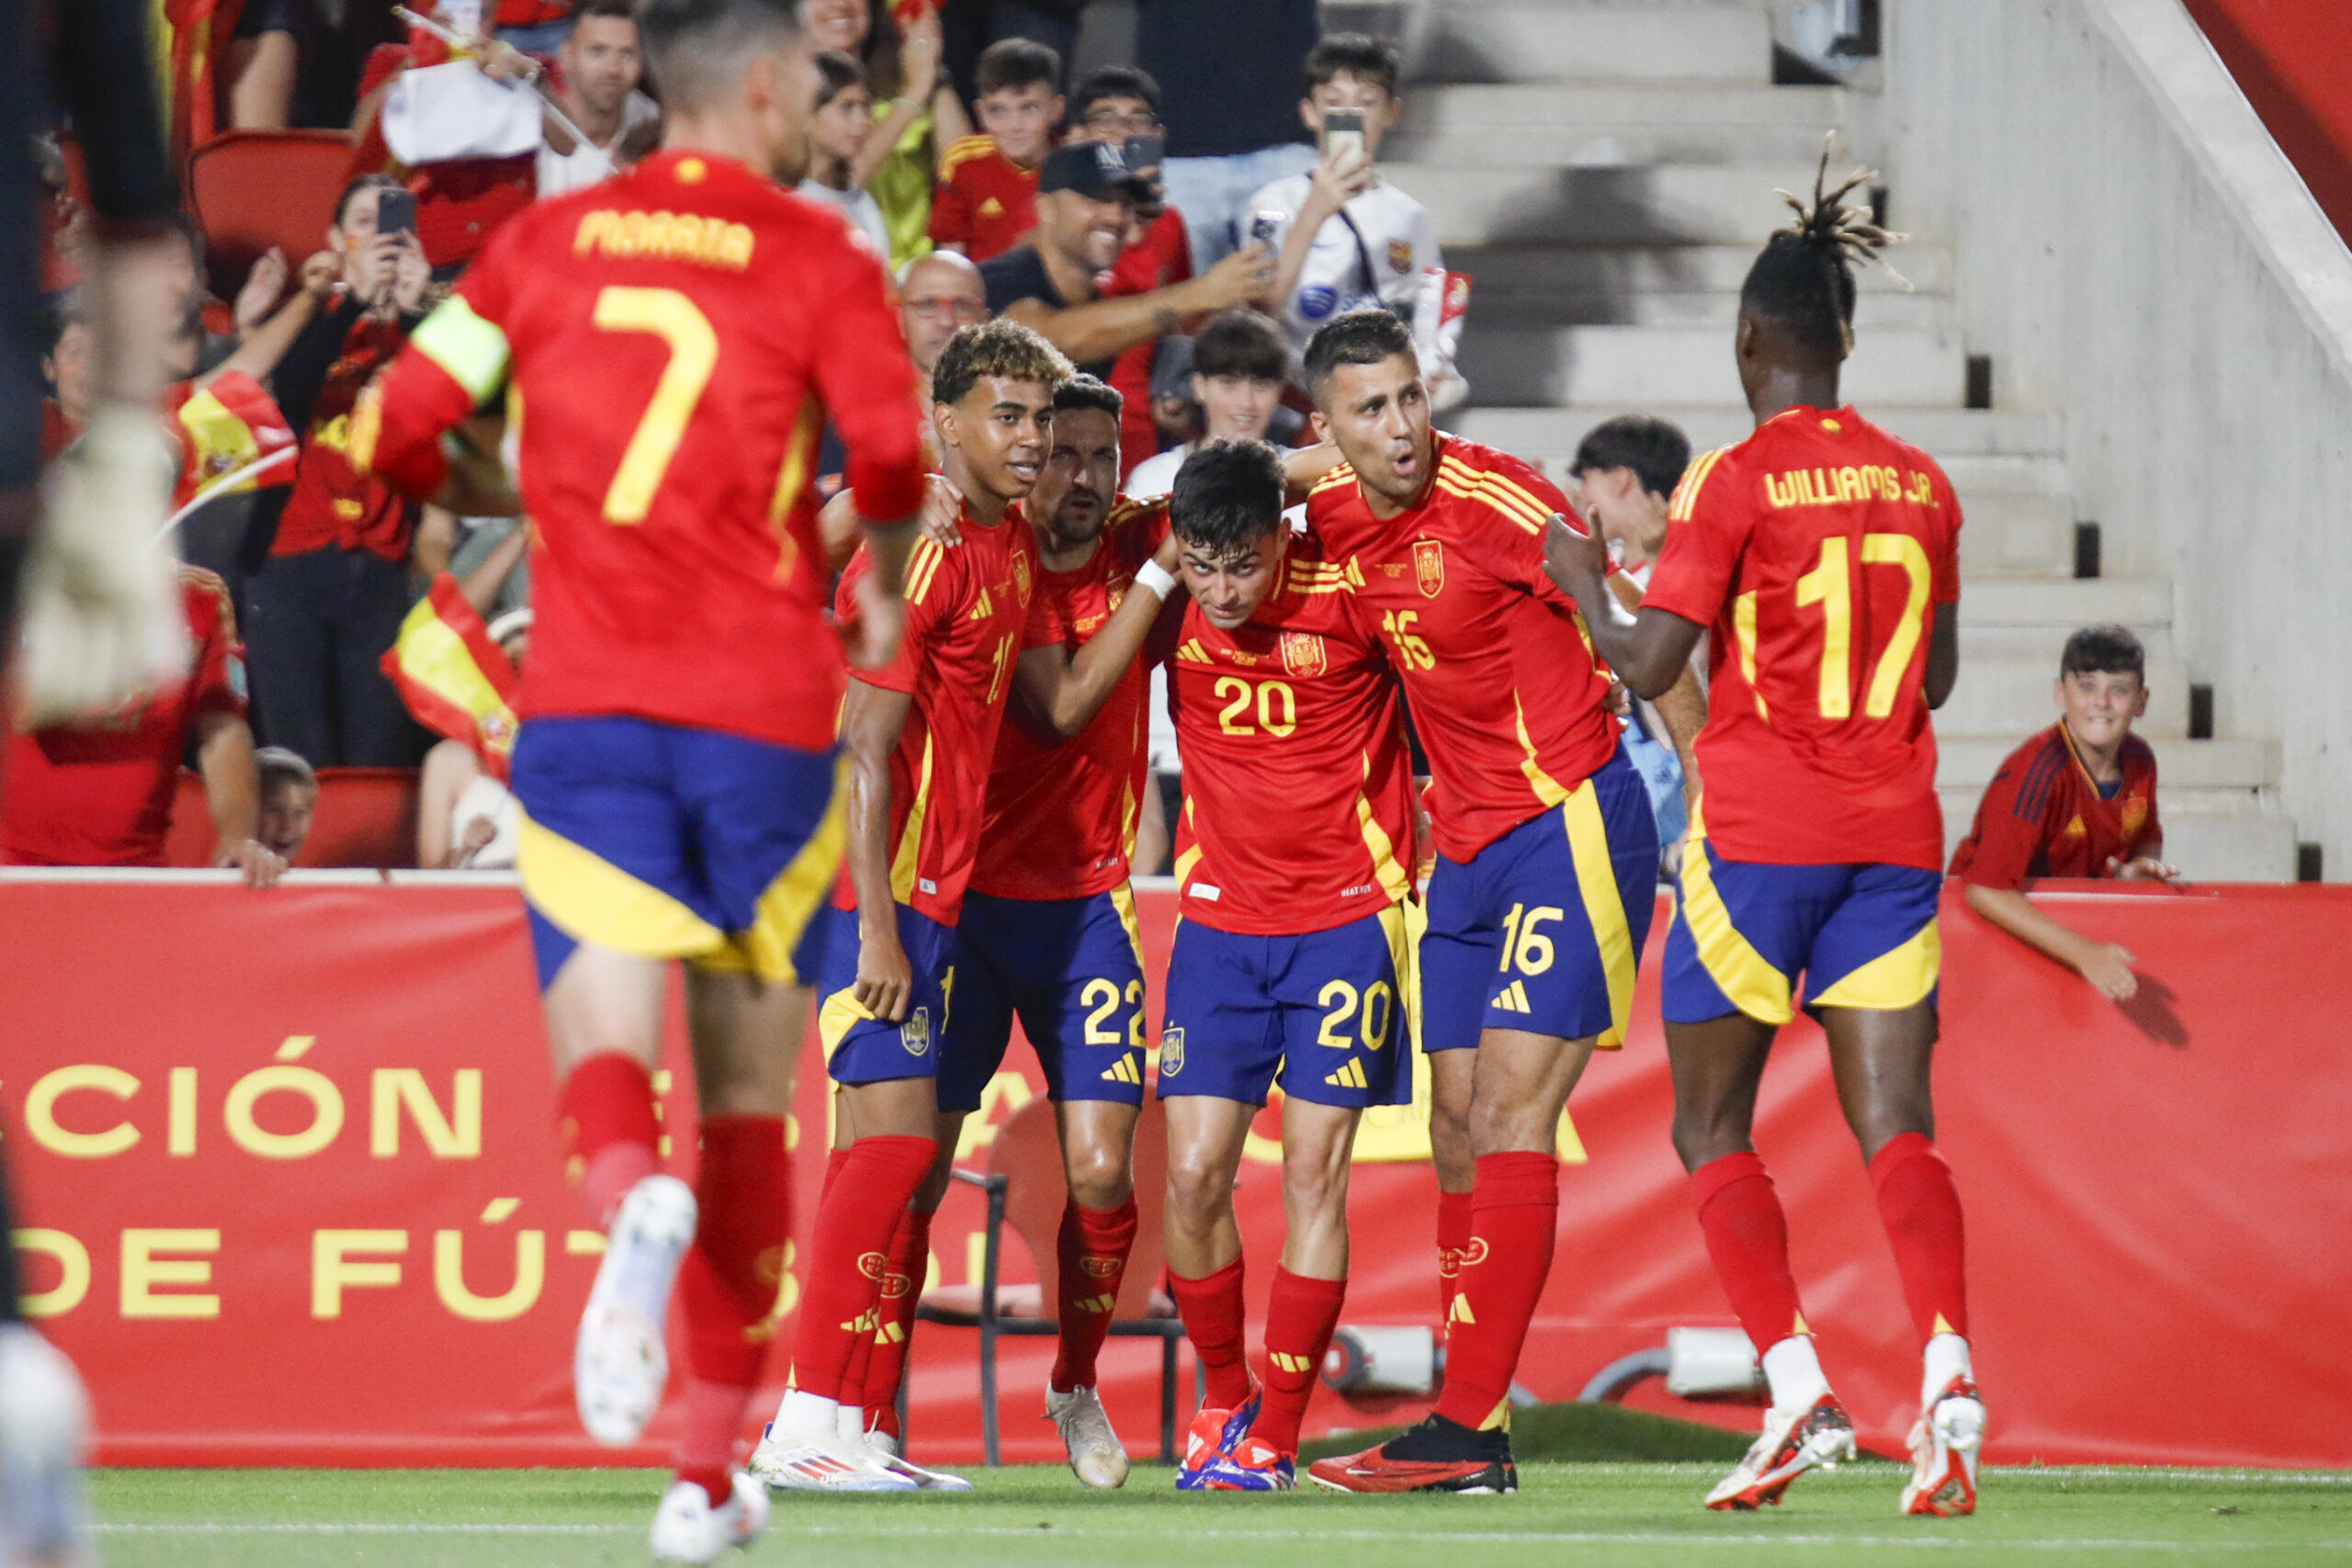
<point x="889" y="543"/>
<point x="1683" y="708"/>
<point x="1649" y="655"/>
<point x="872" y="719"/>
<point x="1943" y="654"/>
<point x="1303" y="465"/>
<point x="224" y="755"/>
<point x="1061" y="691"/>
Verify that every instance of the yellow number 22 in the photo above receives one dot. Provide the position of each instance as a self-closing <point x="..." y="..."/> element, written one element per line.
<point x="693" y="353"/>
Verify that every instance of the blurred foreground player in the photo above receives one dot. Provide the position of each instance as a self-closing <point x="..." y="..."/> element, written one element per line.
<point x="1546" y="857"/>
<point x="679" y="335"/>
<point x="1294" y="958"/>
<point x="2079" y="799"/>
<point x="1823" y="554"/>
<point x="102" y="611"/>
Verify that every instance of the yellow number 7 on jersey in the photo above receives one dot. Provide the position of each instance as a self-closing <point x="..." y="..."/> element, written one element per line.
<point x="679" y="322"/>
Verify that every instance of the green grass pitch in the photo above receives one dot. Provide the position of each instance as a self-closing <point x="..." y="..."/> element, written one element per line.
<point x="1635" y="1514"/>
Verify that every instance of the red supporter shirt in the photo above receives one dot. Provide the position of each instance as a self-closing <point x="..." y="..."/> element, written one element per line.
<point x="677" y="337"/>
<point x="984" y="201"/>
<point x="1298" y="787"/>
<point x="1163" y="256"/>
<point x="2043" y="817"/>
<point x="332" y="503"/>
<point x="1508" y="696"/>
<point x="99" y="791"/>
<point x="968" y="621"/>
<point x="460" y="202"/>
<point x="1816" y="551"/>
<point x="1060" y="820"/>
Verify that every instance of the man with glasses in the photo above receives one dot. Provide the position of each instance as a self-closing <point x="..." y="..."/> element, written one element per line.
<point x="938" y="294"/>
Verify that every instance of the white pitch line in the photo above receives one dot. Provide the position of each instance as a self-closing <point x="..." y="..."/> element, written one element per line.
<point x="206" y="1527"/>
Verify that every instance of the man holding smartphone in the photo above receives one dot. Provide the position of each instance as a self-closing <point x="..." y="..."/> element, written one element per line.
<point x="1348" y="238"/>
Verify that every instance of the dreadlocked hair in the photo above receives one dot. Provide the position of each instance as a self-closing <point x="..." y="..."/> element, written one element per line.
<point x="1803" y="283"/>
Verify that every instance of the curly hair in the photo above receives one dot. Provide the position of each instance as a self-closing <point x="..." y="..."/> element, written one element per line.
<point x="1000" y="347"/>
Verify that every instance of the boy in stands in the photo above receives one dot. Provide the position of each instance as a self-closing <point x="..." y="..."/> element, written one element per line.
<point x="2079" y="799"/>
<point x="987" y="195"/>
<point x="1294" y="958"/>
<point x="677" y="764"/>
<point x="1546" y="857"/>
<point x="919" y="733"/>
<point x="1823" y="555"/>
<point x="1049" y="924"/>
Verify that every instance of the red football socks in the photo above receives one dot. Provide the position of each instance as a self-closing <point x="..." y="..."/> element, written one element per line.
<point x="1747" y="1237"/>
<point x="1515" y="1212"/>
<point x="610" y="1133"/>
<point x="1452" y="1239"/>
<point x="1299" y="1321"/>
<point x="1920" y="1208"/>
<point x="903" y="1283"/>
<point x="728" y="1284"/>
<point x="1091" y="1256"/>
<point x="1211" y="1312"/>
<point x="847" y="1254"/>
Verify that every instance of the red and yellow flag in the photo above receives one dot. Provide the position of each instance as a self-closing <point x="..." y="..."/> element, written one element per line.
<point x="454" y="680"/>
<point x="232" y="423"/>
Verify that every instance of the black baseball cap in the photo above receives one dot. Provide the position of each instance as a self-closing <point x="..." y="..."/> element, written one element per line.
<point x="1096" y="170"/>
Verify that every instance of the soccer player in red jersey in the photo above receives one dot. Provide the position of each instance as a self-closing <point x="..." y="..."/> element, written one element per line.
<point x="1546" y="856"/>
<point x="98" y="791"/>
<point x="1294" y="959"/>
<point x="1821" y="555"/>
<point x="679" y="335"/>
<point x="2079" y="799"/>
<point x="919" y="732"/>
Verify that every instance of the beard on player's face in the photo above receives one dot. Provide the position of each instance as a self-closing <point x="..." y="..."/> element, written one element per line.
<point x="1082" y="475"/>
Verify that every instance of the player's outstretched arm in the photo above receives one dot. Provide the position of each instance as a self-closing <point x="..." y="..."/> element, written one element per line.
<point x="1650" y="655"/>
<point x="2106" y="964"/>
<point x="224" y="754"/>
<point x="1059" y="693"/>
<point x="872" y="719"/>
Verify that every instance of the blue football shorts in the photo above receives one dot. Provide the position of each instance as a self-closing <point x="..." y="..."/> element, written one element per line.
<point x="1071" y="970"/>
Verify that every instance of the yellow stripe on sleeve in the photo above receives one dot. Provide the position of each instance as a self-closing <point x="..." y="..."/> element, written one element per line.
<point x="473" y="350"/>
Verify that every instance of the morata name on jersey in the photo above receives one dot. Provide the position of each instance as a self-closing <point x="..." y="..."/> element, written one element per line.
<point x="667" y="236"/>
<point x="1835" y="487"/>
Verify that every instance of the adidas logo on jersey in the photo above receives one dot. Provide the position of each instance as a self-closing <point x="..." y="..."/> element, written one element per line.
<point x="1192" y="652"/>
<point x="1124" y="1070"/>
<point x="1514" y="999"/>
<point x="991" y="208"/>
<point x="984" y="609"/>
<point x="1349" y="1077"/>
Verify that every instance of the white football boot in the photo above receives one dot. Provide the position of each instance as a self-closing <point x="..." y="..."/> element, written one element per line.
<point x="885" y="1447"/>
<point x="44" y="1426"/>
<point x="686" y="1528"/>
<point x="1944" y="1445"/>
<point x="1096" y="1456"/>
<point x="1802" y="1437"/>
<point x="620" y="1362"/>
<point x="823" y="1462"/>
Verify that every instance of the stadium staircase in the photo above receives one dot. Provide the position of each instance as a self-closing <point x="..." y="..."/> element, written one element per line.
<point x="1605" y="174"/>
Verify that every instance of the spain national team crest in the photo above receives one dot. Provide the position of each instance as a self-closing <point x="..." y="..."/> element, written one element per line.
<point x="1171" y="1052"/>
<point x="915" y="1033"/>
<point x="1429" y="566"/>
<point x="1020" y="579"/>
<point x="1303" y="654"/>
<point x="1400" y="255"/>
<point x="2135" y="816"/>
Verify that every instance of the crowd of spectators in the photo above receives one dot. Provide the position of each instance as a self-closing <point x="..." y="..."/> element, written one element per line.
<point x="1177" y="225"/>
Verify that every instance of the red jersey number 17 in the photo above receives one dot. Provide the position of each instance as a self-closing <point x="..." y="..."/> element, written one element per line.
<point x="1831" y="585"/>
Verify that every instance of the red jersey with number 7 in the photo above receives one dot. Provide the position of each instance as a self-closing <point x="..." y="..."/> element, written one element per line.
<point x="1816" y="551"/>
<point x="675" y="341"/>
<point x="969" y="619"/>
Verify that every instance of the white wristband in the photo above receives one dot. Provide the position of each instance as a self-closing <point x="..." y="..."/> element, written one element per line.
<point x="1157" y="578"/>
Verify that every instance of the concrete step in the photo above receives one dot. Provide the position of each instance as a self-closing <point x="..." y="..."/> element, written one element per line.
<point x="2212" y="835"/>
<point x="2008" y="534"/>
<point x="1969" y="762"/>
<point x="1632" y="367"/>
<point x="1539" y="43"/>
<point x="1544" y="270"/>
<point x="2063" y="603"/>
<point x="1875" y="312"/>
<point x="1949" y="433"/>
<point x="1642" y="107"/>
<point x="2015" y="695"/>
<point x="1620" y="145"/>
<point x="2006" y="473"/>
<point x="1684" y="203"/>
<point x="2039" y="646"/>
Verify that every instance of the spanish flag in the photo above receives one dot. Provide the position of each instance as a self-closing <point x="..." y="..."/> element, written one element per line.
<point x="454" y="680"/>
<point x="232" y="423"/>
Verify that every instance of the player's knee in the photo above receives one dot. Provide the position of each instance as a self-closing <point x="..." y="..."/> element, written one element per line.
<point x="1314" y="1186"/>
<point x="1099" y="1178"/>
<point x="1200" y="1193"/>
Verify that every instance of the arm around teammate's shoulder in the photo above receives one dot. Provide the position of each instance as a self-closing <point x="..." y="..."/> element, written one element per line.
<point x="1059" y="692"/>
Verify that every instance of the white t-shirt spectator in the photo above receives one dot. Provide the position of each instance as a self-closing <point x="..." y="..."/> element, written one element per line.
<point x="1369" y="254"/>
<point x="863" y="213"/>
<point x="587" y="163"/>
<point x="1155" y="475"/>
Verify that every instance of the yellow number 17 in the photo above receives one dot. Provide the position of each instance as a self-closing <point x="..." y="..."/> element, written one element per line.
<point x="679" y="322"/>
<point x="1829" y="586"/>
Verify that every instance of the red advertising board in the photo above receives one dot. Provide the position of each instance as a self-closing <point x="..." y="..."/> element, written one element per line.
<point x="290" y="1191"/>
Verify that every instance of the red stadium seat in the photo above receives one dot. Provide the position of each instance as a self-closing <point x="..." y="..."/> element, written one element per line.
<point x="366" y="817"/>
<point x="189" y="843"/>
<point x="253" y="189"/>
<point x="1024" y="1187"/>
